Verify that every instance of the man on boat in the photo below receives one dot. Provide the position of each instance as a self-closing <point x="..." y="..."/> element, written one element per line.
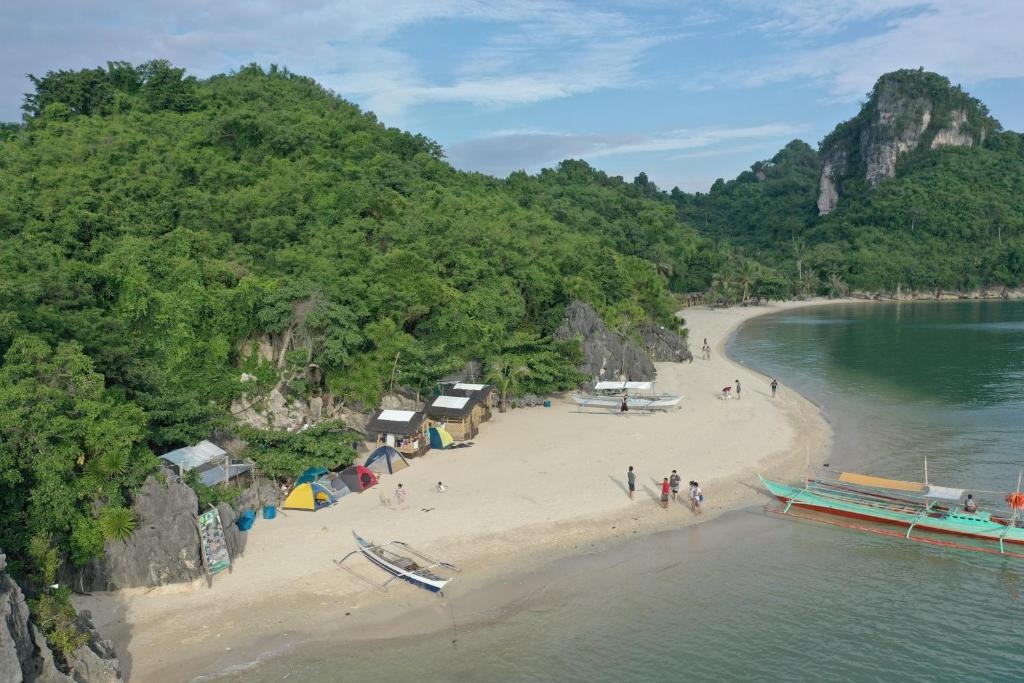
<point x="969" y="504"/>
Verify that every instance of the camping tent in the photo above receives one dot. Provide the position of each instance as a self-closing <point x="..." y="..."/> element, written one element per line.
<point x="386" y="459"/>
<point x="311" y="474"/>
<point x="440" y="438"/>
<point x="357" y="478"/>
<point x="309" y="496"/>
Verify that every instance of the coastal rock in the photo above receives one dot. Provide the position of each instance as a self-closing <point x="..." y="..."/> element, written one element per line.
<point x="25" y="655"/>
<point x="164" y="548"/>
<point x="607" y="355"/>
<point x="664" y="345"/>
<point x="907" y="110"/>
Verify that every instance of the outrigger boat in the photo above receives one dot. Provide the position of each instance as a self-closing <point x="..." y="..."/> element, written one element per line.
<point x="403" y="562"/>
<point x="609" y="395"/>
<point x="916" y="506"/>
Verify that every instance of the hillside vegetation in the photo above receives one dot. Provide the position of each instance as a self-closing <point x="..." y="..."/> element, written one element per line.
<point x="152" y="223"/>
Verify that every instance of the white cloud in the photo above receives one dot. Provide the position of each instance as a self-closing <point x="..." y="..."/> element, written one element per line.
<point x="968" y="41"/>
<point x="505" y="151"/>
<point x="526" y="51"/>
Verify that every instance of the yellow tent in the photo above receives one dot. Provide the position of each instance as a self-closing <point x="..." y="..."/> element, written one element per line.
<point x="440" y="438"/>
<point x="309" y="496"/>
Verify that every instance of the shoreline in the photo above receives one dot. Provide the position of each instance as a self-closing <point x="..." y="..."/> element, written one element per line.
<point x="545" y="496"/>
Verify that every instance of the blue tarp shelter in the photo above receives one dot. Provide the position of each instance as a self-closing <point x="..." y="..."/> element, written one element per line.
<point x="386" y="459"/>
<point x="312" y="474"/>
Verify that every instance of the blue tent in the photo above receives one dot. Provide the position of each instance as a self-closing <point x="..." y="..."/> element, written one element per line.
<point x="440" y="438"/>
<point x="386" y="459"/>
<point x="310" y="475"/>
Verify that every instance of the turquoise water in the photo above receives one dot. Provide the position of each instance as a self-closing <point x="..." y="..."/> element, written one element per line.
<point x="754" y="596"/>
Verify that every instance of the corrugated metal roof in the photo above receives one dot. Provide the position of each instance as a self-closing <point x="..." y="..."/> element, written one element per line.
<point x="190" y="457"/>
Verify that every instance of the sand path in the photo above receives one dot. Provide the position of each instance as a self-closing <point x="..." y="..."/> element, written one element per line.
<point x="537" y="480"/>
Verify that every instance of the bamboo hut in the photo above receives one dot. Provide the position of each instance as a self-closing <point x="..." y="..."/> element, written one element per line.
<point x="457" y="413"/>
<point x="404" y="430"/>
<point x="482" y="394"/>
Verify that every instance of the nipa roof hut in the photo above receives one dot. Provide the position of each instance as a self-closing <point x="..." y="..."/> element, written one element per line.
<point x="449" y="407"/>
<point x="479" y="392"/>
<point x="397" y="422"/>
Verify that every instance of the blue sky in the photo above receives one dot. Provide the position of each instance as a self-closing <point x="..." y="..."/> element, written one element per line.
<point x="686" y="91"/>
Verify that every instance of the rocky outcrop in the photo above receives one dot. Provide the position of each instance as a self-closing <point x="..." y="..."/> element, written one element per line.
<point x="907" y="110"/>
<point x="25" y="655"/>
<point x="164" y="548"/>
<point x="607" y="355"/>
<point x="664" y="345"/>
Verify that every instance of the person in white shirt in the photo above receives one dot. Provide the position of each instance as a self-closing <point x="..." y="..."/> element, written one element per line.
<point x="441" y="488"/>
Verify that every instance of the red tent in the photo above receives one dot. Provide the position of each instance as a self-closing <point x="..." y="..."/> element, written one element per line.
<point x="358" y="478"/>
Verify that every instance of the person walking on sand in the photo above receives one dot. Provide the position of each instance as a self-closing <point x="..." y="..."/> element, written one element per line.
<point x="738" y="388"/>
<point x="775" y="386"/>
<point x="399" y="494"/>
<point x="624" y="405"/>
<point x="665" y="487"/>
<point x="674" y="482"/>
<point x="441" y="488"/>
<point x="698" y="498"/>
<point x="631" y="480"/>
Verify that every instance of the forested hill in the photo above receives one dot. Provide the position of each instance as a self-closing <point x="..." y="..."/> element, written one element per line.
<point x="920" y="192"/>
<point x="151" y="224"/>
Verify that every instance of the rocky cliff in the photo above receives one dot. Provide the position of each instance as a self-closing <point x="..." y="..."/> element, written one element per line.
<point x="907" y="110"/>
<point x="611" y="356"/>
<point x="25" y="655"/>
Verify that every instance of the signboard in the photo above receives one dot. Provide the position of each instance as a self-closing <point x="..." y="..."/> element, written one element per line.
<point x="215" y="547"/>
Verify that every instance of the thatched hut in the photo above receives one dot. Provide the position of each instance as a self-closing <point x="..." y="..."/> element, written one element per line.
<point x="457" y="413"/>
<point x="482" y="394"/>
<point x="404" y="430"/>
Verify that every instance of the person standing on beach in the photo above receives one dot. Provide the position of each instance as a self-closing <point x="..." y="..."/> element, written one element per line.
<point x="674" y="483"/>
<point x="624" y="405"/>
<point x="775" y="386"/>
<point x="696" y="497"/>
<point x="665" y="487"/>
<point x="399" y="494"/>
<point x="738" y="388"/>
<point x="631" y="480"/>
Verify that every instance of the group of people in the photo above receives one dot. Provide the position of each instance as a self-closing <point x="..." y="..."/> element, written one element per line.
<point x="670" y="487"/>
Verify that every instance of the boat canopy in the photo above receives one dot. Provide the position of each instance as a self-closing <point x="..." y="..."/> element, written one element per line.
<point x="620" y="386"/>
<point x="880" y="482"/>
<point x="943" y="492"/>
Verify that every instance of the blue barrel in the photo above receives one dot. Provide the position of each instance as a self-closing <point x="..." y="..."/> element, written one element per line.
<point x="269" y="512"/>
<point x="246" y="519"/>
<point x="547" y="403"/>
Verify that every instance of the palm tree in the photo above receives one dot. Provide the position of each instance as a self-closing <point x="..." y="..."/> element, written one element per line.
<point x="504" y="373"/>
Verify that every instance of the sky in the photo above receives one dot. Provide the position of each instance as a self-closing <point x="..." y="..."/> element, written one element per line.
<point x="685" y="91"/>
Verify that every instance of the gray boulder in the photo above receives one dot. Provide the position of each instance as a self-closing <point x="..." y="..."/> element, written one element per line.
<point x="164" y="548"/>
<point x="607" y="355"/>
<point x="663" y="344"/>
<point x="25" y="657"/>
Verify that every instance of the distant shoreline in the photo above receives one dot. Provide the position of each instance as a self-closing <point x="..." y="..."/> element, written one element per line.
<point x="538" y="484"/>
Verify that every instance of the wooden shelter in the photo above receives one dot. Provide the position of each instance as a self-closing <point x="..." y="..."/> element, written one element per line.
<point x="482" y="394"/>
<point x="404" y="430"/>
<point x="457" y="413"/>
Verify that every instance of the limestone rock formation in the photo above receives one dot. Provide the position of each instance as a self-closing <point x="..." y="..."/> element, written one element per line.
<point x="663" y="344"/>
<point x="906" y="111"/>
<point x="164" y="548"/>
<point x="25" y="655"/>
<point x="607" y="355"/>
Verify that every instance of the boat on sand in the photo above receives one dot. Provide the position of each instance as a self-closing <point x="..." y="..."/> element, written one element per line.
<point x="913" y="505"/>
<point x="638" y="395"/>
<point x="403" y="562"/>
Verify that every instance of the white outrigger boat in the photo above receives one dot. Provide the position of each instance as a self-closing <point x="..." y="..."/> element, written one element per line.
<point x="403" y="562"/>
<point x="609" y="395"/>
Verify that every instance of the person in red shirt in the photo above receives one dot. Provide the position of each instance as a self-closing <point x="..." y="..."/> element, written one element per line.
<point x="665" y="487"/>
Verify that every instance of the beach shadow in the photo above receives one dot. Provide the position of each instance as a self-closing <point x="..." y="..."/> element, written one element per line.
<point x="620" y="484"/>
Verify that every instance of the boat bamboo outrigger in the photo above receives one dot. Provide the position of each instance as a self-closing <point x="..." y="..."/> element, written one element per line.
<point x="403" y="562"/>
<point x="638" y="395"/>
<point x="916" y="506"/>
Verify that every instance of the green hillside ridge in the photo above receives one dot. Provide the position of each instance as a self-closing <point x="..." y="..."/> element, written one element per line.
<point x="950" y="220"/>
<point x="152" y="223"/>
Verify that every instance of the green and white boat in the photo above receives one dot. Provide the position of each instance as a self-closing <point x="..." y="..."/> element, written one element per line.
<point x="916" y="506"/>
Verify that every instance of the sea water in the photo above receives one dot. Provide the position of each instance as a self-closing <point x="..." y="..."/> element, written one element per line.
<point x="755" y="596"/>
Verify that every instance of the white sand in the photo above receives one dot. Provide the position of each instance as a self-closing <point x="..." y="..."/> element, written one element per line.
<point x="537" y="479"/>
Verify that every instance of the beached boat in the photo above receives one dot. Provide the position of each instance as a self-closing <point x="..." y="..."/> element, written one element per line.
<point x="403" y="562"/>
<point x="915" y="506"/>
<point x="638" y="395"/>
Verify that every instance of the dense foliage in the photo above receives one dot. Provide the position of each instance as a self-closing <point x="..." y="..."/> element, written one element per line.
<point x="157" y="231"/>
<point x="950" y="220"/>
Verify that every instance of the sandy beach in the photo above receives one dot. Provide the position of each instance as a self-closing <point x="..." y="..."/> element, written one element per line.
<point x="537" y="482"/>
